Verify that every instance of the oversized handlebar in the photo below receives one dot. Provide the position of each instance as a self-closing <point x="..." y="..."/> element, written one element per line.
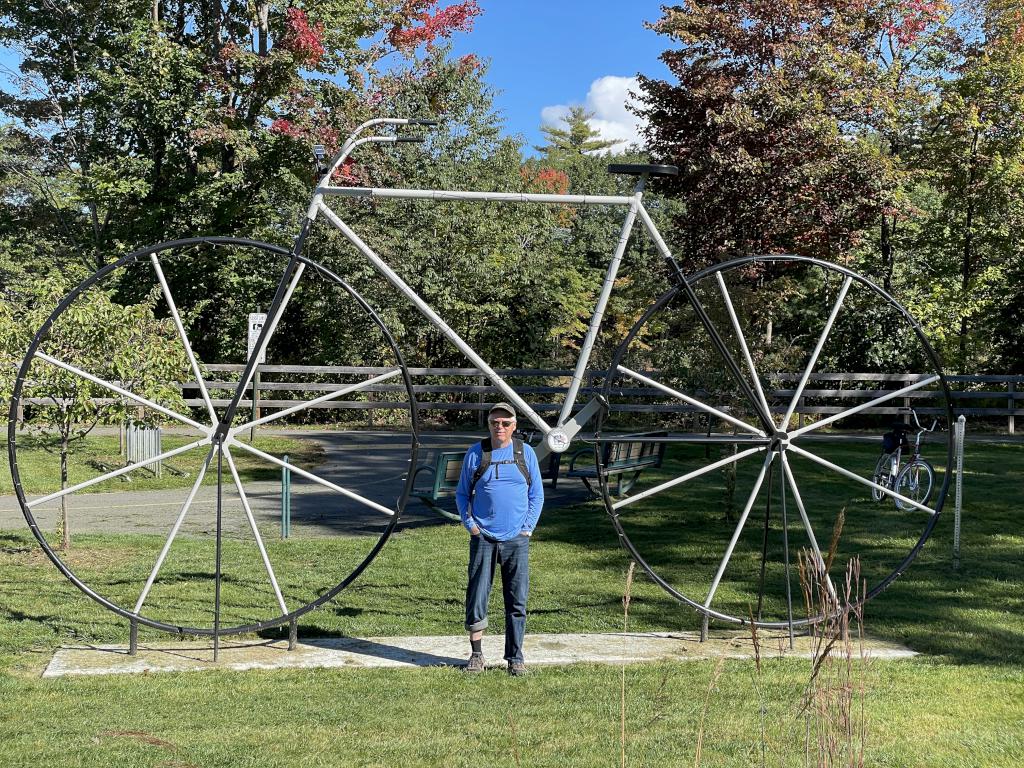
<point x="354" y="141"/>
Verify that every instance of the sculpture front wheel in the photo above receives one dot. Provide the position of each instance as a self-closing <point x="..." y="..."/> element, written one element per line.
<point x="211" y="558"/>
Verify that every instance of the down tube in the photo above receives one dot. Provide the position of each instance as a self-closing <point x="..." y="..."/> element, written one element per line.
<point x="434" y="318"/>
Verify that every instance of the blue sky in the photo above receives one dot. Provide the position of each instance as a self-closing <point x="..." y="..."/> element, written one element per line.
<point x="548" y="54"/>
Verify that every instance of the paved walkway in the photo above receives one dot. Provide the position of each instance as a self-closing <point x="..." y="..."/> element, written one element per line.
<point x="371" y="464"/>
<point x="412" y="652"/>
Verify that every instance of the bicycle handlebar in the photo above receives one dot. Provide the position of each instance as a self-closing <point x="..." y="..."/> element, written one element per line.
<point x="353" y="141"/>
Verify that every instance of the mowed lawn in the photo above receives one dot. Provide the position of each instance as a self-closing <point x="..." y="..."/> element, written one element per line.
<point x="959" y="703"/>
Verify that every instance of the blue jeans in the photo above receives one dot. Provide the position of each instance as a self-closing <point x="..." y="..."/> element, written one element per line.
<point x="514" y="557"/>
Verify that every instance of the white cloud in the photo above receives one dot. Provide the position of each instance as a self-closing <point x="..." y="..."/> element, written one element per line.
<point x="607" y="100"/>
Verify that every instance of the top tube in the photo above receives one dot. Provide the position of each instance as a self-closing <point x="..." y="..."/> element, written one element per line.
<point x="505" y="197"/>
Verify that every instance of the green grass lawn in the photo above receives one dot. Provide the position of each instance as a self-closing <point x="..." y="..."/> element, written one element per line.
<point x="959" y="703"/>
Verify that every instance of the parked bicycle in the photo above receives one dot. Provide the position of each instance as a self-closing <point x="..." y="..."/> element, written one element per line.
<point x="699" y="364"/>
<point x="901" y="466"/>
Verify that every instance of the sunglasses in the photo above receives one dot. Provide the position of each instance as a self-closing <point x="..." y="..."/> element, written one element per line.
<point x="504" y="423"/>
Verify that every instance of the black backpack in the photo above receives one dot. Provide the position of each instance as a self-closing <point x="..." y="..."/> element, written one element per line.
<point x="485" y="461"/>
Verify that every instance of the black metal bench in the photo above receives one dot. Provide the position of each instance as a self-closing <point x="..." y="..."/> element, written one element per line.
<point x="623" y="458"/>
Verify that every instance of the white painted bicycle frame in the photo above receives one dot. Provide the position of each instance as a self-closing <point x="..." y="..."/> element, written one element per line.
<point x="558" y="437"/>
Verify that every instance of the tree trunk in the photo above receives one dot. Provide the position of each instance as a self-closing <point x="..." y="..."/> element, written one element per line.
<point x="888" y="259"/>
<point x="967" y="262"/>
<point x="263" y="28"/>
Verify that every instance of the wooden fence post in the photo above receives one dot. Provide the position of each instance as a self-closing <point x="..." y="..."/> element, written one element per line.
<point x="480" y="415"/>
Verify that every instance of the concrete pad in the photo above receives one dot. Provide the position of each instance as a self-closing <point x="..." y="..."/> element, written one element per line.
<point x="410" y="652"/>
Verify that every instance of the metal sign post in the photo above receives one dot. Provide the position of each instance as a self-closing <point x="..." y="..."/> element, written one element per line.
<point x="958" y="452"/>
<point x="256" y="322"/>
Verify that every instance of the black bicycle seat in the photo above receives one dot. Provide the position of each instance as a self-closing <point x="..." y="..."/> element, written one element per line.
<point x="640" y="170"/>
<point x="899" y="426"/>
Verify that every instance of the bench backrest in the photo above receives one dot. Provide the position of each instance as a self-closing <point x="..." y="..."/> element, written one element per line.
<point x="447" y="472"/>
<point x="630" y="453"/>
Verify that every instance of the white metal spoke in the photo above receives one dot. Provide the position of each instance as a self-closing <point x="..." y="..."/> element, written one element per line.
<point x="184" y="337"/>
<point x="314" y="478"/>
<point x="817" y="351"/>
<point x="859" y="479"/>
<point x="691" y="401"/>
<point x="688" y="476"/>
<point x="255" y="531"/>
<point x="174" y="531"/>
<point x="322" y="399"/>
<point x="743" y="343"/>
<point x="119" y="472"/>
<point x="863" y="406"/>
<point x="121" y="391"/>
<point x="739" y="528"/>
<point x="807" y="525"/>
<point x="257" y="353"/>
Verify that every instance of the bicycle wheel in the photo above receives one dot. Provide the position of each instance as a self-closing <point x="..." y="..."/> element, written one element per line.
<point x="762" y="468"/>
<point x="914" y="482"/>
<point x="882" y="476"/>
<point x="157" y="339"/>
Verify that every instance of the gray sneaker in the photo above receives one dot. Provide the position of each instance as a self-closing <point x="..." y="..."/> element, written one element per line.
<point x="516" y="668"/>
<point x="475" y="663"/>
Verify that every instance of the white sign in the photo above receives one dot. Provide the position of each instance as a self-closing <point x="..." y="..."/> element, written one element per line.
<point x="256" y="321"/>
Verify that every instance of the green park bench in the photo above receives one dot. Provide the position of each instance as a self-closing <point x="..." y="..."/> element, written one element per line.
<point x="624" y="459"/>
<point x="445" y="470"/>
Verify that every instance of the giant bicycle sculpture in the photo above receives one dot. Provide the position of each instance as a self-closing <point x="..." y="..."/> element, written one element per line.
<point x="693" y="351"/>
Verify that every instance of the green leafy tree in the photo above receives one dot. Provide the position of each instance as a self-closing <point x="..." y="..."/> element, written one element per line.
<point x="974" y="158"/>
<point x="154" y="120"/>
<point x="123" y="344"/>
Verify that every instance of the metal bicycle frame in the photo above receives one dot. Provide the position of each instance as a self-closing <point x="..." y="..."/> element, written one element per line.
<point x="563" y="429"/>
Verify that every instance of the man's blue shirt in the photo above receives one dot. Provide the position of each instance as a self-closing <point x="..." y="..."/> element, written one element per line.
<point x="502" y="505"/>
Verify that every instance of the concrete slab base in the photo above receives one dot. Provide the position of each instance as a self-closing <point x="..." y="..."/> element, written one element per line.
<point x="409" y="652"/>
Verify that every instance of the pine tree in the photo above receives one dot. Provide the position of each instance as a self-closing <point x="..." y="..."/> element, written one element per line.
<point x="577" y="138"/>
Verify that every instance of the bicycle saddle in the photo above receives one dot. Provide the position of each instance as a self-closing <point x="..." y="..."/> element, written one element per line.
<point x="639" y="170"/>
<point x="901" y="427"/>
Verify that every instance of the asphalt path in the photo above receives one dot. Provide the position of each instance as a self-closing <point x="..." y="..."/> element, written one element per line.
<point x="371" y="464"/>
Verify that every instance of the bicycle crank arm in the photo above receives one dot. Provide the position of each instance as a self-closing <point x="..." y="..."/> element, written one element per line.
<point x="559" y="438"/>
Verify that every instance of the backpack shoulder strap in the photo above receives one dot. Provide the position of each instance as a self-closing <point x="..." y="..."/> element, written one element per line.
<point x="520" y="457"/>
<point x="485" y="462"/>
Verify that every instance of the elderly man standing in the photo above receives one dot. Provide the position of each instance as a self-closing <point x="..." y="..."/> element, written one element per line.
<point x="500" y="495"/>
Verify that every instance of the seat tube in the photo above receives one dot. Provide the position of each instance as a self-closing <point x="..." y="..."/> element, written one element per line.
<point x="602" y="303"/>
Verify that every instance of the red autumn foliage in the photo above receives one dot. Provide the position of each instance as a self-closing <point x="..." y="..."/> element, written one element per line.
<point x="348" y="174"/>
<point x="470" y="62"/>
<point x="422" y="24"/>
<point x="284" y="127"/>
<point x="303" y="39"/>
<point x="912" y="18"/>
<point x="545" y="179"/>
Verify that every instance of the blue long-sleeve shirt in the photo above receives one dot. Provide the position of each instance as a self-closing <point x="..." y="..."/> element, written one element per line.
<point x="502" y="506"/>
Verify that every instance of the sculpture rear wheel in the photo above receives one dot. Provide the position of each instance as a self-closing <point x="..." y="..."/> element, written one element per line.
<point x="721" y="363"/>
<point x="210" y="558"/>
